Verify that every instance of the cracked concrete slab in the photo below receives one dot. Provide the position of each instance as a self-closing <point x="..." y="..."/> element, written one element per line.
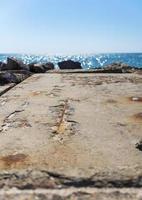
<point x="82" y="126"/>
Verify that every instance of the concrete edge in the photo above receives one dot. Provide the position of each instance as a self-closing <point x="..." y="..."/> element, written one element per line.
<point x="101" y="71"/>
<point x="7" y="88"/>
<point x="72" y="193"/>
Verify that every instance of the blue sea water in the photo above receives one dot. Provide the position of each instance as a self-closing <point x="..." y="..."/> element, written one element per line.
<point x="87" y="61"/>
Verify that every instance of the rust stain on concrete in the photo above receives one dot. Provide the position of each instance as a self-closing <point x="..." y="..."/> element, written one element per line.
<point x="127" y="100"/>
<point x="111" y="101"/>
<point x="137" y="117"/>
<point x="61" y="125"/>
<point x="23" y="123"/>
<point x="37" y="93"/>
<point x="130" y="99"/>
<point x="13" y="161"/>
<point x="135" y="99"/>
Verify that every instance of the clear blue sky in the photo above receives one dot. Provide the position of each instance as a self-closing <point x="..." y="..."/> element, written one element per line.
<point x="70" y="26"/>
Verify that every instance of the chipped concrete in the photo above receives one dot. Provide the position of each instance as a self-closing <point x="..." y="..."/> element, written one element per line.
<point x="72" y="130"/>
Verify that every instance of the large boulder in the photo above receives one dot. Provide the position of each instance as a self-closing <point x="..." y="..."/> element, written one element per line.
<point x="69" y="64"/>
<point x="14" y="64"/>
<point x="7" y="77"/>
<point x="21" y="75"/>
<point x="37" y="68"/>
<point x="3" y="67"/>
<point x="49" y="66"/>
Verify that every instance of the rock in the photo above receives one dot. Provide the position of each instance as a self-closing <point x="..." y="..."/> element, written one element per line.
<point x="25" y="72"/>
<point x="13" y="76"/>
<point x="7" y="77"/>
<point x="118" y="68"/>
<point x="37" y="68"/>
<point x="2" y="66"/>
<point x="139" y="146"/>
<point x="69" y="64"/>
<point x="14" y="64"/>
<point x="21" y="75"/>
<point x="49" y="66"/>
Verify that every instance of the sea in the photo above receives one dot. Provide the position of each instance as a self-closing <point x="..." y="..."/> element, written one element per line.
<point x="87" y="61"/>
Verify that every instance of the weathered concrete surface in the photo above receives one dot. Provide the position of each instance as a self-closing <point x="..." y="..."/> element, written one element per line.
<point x="72" y="194"/>
<point x="83" y="126"/>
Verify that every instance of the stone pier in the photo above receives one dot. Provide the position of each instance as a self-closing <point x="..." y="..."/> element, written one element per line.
<point x="72" y="136"/>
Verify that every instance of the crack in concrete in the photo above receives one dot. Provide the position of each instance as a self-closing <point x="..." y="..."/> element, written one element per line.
<point x="7" y="121"/>
<point x="64" y="125"/>
<point x="61" y="124"/>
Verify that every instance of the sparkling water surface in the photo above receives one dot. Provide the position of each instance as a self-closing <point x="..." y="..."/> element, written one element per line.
<point x="87" y="61"/>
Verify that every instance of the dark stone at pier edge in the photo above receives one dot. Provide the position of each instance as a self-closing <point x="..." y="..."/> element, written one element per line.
<point x="2" y="66"/>
<point x="49" y="66"/>
<point x="69" y="64"/>
<point x="14" y="64"/>
<point x="13" y="76"/>
<point x="7" y="77"/>
<point x="118" y="68"/>
<point x="37" y="68"/>
<point x="41" y="68"/>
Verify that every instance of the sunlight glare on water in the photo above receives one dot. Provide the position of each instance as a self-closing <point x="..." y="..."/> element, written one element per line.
<point x="87" y="61"/>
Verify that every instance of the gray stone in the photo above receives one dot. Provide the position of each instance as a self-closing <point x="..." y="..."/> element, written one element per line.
<point x="118" y="68"/>
<point x="69" y="64"/>
<point x="14" y="64"/>
<point x="3" y="67"/>
<point x="49" y="66"/>
<point x="37" y="68"/>
<point x="7" y="77"/>
<point x="22" y="76"/>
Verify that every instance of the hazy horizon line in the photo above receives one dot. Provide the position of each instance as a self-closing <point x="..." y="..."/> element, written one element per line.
<point x="72" y="54"/>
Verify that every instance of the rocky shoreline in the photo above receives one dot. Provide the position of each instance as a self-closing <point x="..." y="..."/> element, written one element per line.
<point x="15" y="71"/>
